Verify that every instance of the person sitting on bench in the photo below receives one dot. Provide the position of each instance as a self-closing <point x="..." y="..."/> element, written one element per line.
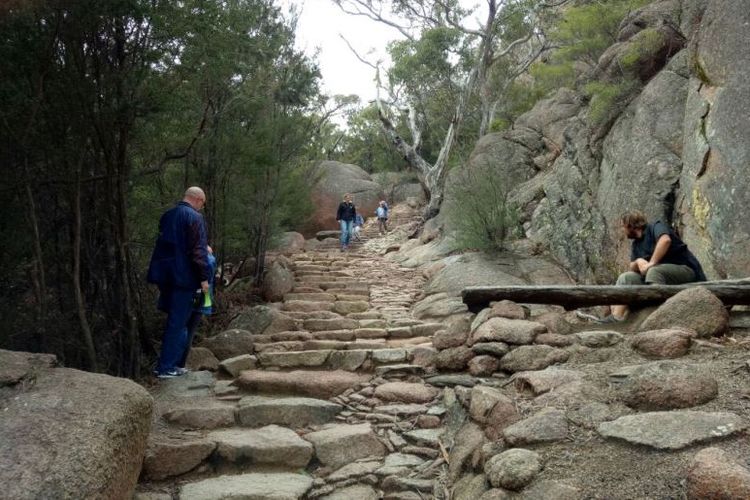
<point x="657" y="255"/>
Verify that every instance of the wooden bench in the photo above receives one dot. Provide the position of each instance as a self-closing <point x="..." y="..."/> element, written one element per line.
<point x="732" y="292"/>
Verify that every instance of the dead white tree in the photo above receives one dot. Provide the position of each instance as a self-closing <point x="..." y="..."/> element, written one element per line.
<point x="425" y="14"/>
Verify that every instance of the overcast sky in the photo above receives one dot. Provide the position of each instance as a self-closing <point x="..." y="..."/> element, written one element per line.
<point x="319" y="28"/>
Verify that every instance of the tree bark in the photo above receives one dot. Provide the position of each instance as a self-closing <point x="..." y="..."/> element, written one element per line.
<point x="88" y="338"/>
<point x="575" y="296"/>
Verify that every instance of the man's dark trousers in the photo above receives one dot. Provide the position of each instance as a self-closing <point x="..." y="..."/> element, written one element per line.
<point x="178" y="303"/>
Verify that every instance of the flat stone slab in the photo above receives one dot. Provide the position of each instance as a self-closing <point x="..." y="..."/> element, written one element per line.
<point x="389" y="355"/>
<point x="269" y="445"/>
<point x="546" y="426"/>
<point x="401" y="369"/>
<point x="256" y="486"/>
<point x="309" y="297"/>
<point x="257" y="411"/>
<point x="406" y="410"/>
<point x="406" y="392"/>
<point x="201" y="415"/>
<point x="358" y="492"/>
<point x="167" y="458"/>
<point x="461" y="379"/>
<point x="319" y="384"/>
<point x="342" y="444"/>
<point x="353" y="470"/>
<point x="425" y="437"/>
<point x="672" y="430"/>
<point x="294" y="358"/>
<point x="190" y="385"/>
<point x="234" y="366"/>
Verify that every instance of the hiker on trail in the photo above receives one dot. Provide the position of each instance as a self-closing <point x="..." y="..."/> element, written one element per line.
<point x="179" y="266"/>
<point x="203" y="305"/>
<point x="657" y="255"/>
<point x="382" y="214"/>
<point x="345" y="216"/>
<point x="358" y="222"/>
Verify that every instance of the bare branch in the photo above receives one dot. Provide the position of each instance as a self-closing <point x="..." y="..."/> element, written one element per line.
<point x="356" y="54"/>
<point x="366" y="9"/>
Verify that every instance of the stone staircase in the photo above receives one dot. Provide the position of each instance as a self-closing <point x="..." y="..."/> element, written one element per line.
<point x="336" y="409"/>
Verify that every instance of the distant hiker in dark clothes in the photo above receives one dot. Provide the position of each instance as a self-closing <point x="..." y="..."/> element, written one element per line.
<point x="657" y="255"/>
<point x="345" y="216"/>
<point x="179" y="266"/>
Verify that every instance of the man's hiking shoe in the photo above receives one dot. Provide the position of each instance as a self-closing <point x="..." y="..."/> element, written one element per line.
<point x="169" y="374"/>
<point x="182" y="370"/>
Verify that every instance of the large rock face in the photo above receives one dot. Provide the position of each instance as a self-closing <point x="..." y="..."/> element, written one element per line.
<point x="678" y="151"/>
<point x="713" y="185"/>
<point x="335" y="179"/>
<point x="67" y="433"/>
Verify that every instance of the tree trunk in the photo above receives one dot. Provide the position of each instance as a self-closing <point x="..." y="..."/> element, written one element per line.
<point x="88" y="338"/>
<point x="40" y="279"/>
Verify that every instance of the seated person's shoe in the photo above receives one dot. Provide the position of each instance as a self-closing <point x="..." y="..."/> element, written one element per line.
<point x="602" y="321"/>
<point x="608" y="319"/>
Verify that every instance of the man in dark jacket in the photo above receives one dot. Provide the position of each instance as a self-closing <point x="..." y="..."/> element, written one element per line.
<point x="345" y="216"/>
<point x="657" y="255"/>
<point x="180" y="268"/>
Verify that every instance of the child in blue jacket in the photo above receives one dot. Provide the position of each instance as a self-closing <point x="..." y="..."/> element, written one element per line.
<point x="203" y="306"/>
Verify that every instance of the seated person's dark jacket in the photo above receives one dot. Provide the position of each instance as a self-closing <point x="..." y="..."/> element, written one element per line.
<point x="677" y="253"/>
<point x="180" y="258"/>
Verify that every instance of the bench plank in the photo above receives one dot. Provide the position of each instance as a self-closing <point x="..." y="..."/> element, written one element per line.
<point x="575" y="296"/>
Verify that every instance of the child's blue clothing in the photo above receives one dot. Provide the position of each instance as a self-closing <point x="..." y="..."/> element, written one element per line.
<point x="208" y="305"/>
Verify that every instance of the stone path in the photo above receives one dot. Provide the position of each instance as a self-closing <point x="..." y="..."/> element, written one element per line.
<point x="335" y="409"/>
<point x="335" y="394"/>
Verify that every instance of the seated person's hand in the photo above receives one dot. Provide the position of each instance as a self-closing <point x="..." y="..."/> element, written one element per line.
<point x="643" y="266"/>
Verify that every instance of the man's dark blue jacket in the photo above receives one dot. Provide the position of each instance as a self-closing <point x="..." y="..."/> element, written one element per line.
<point x="180" y="258"/>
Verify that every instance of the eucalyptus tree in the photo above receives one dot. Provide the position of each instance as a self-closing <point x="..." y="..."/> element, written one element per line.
<point x="436" y="26"/>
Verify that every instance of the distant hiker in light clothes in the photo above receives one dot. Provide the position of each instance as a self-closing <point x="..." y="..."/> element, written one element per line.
<point x="657" y="255"/>
<point x="382" y="214"/>
<point x="179" y="266"/>
<point x="345" y="216"/>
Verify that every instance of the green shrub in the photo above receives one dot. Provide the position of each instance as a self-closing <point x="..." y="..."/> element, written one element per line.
<point x="607" y="99"/>
<point x="644" y="45"/>
<point x="499" y="124"/>
<point x="480" y="212"/>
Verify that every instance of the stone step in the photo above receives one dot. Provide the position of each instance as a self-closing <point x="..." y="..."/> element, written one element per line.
<point x="348" y="291"/>
<point x="337" y="345"/>
<point x="266" y="485"/>
<point x="343" y="444"/>
<point x="309" y="297"/>
<point x="306" y="305"/>
<point x="311" y="267"/>
<point x="302" y="315"/>
<point x="332" y="359"/>
<point x="295" y="412"/>
<point x="271" y="446"/>
<point x="317" y="325"/>
<point x="307" y="289"/>
<point x="317" y="384"/>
